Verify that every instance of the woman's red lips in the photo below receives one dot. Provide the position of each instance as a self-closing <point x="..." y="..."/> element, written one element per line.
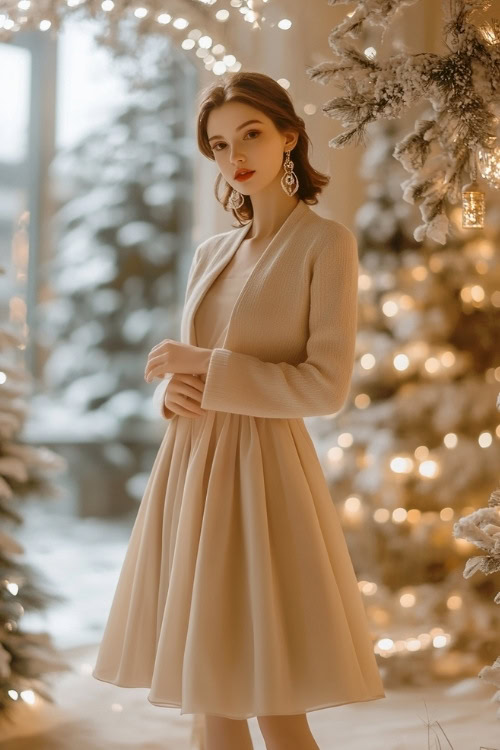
<point x="244" y="176"/>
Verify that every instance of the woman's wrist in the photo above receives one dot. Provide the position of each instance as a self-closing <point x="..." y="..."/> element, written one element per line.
<point x="205" y="359"/>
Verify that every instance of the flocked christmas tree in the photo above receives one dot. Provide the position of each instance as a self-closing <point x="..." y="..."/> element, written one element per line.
<point x="418" y="444"/>
<point x="25" y="656"/>
<point x="456" y="136"/>
<point x="122" y="235"/>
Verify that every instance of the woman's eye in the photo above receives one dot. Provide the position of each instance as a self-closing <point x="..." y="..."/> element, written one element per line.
<point x="214" y="148"/>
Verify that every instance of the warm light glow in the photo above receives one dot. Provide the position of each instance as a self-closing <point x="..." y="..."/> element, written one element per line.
<point x="362" y="401"/>
<point x="446" y="514"/>
<point x="428" y="468"/>
<point x="28" y="696"/>
<point x="368" y="588"/>
<point x="310" y="109"/>
<point x="284" y="83"/>
<point x="164" y="18"/>
<point x="219" y="68"/>
<point x="12" y="587"/>
<point x="352" y="504"/>
<point x="477" y="293"/>
<point x="285" y="23"/>
<point x="440" y="641"/>
<point x="381" y="515"/>
<point x="141" y="12"/>
<point x="447" y="358"/>
<point x="421" y="452"/>
<point x="454" y="602"/>
<point x="385" y="644"/>
<point x="181" y="23"/>
<point x="419" y="273"/>
<point x="495" y="298"/>
<point x="367" y="361"/>
<point x="414" y="516"/>
<point x="345" y="439"/>
<point x="482" y="266"/>
<point x="399" y="515"/>
<point x="188" y="43"/>
<point x="488" y="32"/>
<point x="436" y="263"/>
<point x="406" y="302"/>
<point x="335" y="454"/>
<point x="390" y="308"/>
<point x="222" y="15"/>
<point x="401" y="362"/>
<point x="431" y="365"/>
<point x="364" y="281"/>
<point x="413" y="644"/>
<point x="485" y="439"/>
<point x="107" y="5"/>
<point x="401" y="464"/>
<point x="44" y="25"/>
<point x="370" y="52"/>
<point x="450" y="440"/>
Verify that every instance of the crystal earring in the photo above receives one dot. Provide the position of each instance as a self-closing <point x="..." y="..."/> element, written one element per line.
<point x="236" y="200"/>
<point x="289" y="181"/>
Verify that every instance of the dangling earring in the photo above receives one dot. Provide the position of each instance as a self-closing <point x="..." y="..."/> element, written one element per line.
<point x="289" y="181"/>
<point x="236" y="200"/>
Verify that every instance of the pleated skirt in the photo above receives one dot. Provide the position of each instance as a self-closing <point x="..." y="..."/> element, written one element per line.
<point x="237" y="596"/>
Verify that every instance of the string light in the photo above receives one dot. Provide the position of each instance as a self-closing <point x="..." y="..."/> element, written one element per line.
<point x="26" y="15"/>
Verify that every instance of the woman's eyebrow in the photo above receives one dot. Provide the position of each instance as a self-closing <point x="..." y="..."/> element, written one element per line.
<point x="238" y="128"/>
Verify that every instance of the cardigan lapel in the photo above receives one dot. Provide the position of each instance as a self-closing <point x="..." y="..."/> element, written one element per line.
<point x="222" y="257"/>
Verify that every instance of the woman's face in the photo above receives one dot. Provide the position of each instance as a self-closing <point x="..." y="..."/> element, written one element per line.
<point x="237" y="143"/>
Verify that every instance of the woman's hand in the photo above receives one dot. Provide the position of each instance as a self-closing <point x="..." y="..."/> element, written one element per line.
<point x="174" y="356"/>
<point x="183" y="395"/>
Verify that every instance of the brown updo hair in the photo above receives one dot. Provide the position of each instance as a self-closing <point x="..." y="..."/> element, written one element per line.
<point x="265" y="94"/>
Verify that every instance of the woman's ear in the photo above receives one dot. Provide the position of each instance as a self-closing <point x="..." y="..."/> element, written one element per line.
<point x="291" y="141"/>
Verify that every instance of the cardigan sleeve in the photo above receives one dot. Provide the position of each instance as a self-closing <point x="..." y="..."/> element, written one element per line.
<point x="159" y="398"/>
<point x="159" y="392"/>
<point x="244" y="384"/>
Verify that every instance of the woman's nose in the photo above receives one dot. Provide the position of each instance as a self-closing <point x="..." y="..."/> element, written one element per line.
<point x="236" y="157"/>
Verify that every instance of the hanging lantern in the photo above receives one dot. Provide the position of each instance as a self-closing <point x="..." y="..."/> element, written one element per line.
<point x="472" y="206"/>
<point x="489" y="164"/>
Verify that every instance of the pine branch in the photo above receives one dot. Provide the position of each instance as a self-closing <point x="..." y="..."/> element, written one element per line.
<point x="461" y="86"/>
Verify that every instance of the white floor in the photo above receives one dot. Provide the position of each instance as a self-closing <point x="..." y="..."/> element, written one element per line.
<point x="82" y="559"/>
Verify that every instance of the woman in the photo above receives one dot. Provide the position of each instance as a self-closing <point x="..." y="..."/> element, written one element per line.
<point x="237" y="596"/>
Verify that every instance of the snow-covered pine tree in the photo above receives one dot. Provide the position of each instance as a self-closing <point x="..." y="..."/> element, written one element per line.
<point x="482" y="528"/>
<point x="443" y="151"/>
<point x="123" y="235"/>
<point x="418" y="443"/>
<point x="25" y="656"/>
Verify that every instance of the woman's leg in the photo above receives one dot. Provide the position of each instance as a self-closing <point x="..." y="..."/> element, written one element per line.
<point x="289" y="732"/>
<point x="222" y="733"/>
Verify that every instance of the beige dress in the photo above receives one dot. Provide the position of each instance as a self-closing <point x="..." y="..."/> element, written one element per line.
<point x="237" y="595"/>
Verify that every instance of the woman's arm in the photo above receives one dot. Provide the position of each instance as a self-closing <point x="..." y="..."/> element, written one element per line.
<point x="244" y="384"/>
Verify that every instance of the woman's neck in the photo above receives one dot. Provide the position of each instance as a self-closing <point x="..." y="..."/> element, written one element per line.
<point x="269" y="215"/>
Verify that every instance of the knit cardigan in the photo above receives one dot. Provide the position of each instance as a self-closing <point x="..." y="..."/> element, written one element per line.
<point x="289" y="346"/>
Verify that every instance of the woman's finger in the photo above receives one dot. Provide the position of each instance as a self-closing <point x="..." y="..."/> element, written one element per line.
<point x="188" y="390"/>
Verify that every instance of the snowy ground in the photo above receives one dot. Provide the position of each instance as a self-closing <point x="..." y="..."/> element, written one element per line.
<point x="81" y="559"/>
